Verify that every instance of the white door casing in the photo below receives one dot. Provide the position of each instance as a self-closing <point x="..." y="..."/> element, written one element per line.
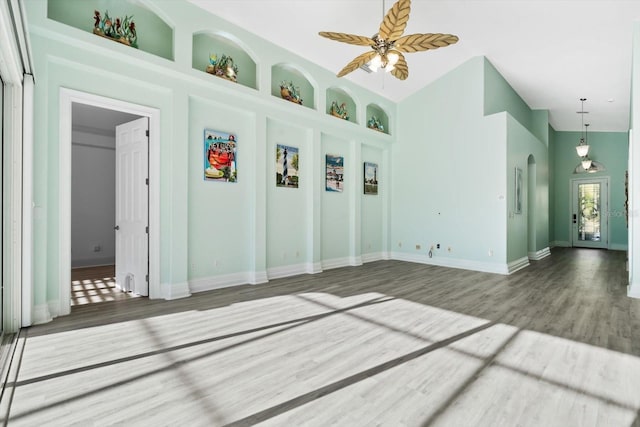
<point x="132" y="206"/>
<point x="67" y="98"/>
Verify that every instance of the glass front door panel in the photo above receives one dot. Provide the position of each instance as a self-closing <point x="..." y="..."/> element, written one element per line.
<point x="589" y="210"/>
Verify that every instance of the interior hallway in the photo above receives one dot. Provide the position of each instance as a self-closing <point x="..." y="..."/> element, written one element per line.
<point x="388" y="343"/>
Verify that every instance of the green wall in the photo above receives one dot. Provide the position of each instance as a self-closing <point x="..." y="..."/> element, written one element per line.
<point x="459" y="142"/>
<point x="438" y="194"/>
<point x="500" y="96"/>
<point x="608" y="148"/>
<point x="212" y="234"/>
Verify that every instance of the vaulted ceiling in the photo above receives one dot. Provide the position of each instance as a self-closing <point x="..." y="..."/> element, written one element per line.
<point x="553" y="52"/>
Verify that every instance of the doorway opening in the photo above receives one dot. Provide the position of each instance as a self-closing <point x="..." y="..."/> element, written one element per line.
<point x="589" y="219"/>
<point x="94" y="198"/>
<point x="130" y="167"/>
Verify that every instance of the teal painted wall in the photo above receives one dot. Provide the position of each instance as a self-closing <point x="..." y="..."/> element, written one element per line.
<point x="528" y="231"/>
<point x="459" y="142"/>
<point x="608" y="148"/>
<point x="449" y="179"/>
<point x="213" y="234"/>
<point x="552" y="185"/>
<point x="500" y="96"/>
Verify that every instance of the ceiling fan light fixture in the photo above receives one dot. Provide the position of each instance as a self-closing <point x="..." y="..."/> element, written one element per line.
<point x="390" y="37"/>
<point x="393" y="58"/>
<point x="376" y="63"/>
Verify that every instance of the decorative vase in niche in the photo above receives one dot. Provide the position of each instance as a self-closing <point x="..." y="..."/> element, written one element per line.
<point x="375" y="124"/>
<point x="120" y="30"/>
<point x="222" y="67"/>
<point x="290" y="92"/>
<point x="339" y="110"/>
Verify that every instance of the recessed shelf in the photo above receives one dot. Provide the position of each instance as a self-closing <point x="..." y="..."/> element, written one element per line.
<point x="206" y="44"/>
<point x="339" y="99"/>
<point x="291" y="75"/>
<point x="154" y="35"/>
<point x="375" y="113"/>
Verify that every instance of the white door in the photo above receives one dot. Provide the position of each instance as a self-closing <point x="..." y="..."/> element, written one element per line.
<point x="589" y="219"/>
<point x="132" y="206"/>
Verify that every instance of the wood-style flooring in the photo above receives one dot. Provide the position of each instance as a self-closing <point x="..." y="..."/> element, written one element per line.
<point x="90" y="285"/>
<point x="389" y="343"/>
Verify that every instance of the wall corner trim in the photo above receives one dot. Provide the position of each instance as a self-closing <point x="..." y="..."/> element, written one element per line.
<point x="633" y="291"/>
<point x="176" y="290"/>
<point x="517" y="265"/>
<point x="538" y="255"/>
<point x="41" y="314"/>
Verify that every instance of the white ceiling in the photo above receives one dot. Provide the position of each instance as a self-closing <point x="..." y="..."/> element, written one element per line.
<point x="553" y="52"/>
<point x="98" y="120"/>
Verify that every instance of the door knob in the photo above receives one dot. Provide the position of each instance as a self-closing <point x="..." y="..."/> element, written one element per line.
<point x="117" y="227"/>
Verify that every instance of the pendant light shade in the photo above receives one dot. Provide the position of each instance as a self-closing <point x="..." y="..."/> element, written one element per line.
<point x="583" y="147"/>
<point x="586" y="163"/>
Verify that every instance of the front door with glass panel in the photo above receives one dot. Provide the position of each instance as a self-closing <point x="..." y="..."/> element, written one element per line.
<point x="589" y="213"/>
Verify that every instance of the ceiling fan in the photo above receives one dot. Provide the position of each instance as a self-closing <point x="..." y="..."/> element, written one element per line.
<point x="389" y="44"/>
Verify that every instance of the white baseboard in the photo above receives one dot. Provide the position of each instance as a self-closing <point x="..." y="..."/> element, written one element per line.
<point x="372" y="257"/>
<point x="518" y="264"/>
<point x="258" y="277"/>
<point x="93" y="262"/>
<point x="559" y="244"/>
<point x="41" y="314"/>
<point x="314" y="267"/>
<point x="486" y="267"/>
<point x="328" y="264"/>
<point x="538" y="255"/>
<point x="218" y="282"/>
<point x="633" y="291"/>
<point x="287" y="271"/>
<point x="175" y="290"/>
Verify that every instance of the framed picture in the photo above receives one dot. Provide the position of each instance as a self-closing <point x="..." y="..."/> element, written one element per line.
<point x="518" y="196"/>
<point x="335" y="173"/>
<point x="287" y="162"/>
<point x="370" y="178"/>
<point x="220" y="156"/>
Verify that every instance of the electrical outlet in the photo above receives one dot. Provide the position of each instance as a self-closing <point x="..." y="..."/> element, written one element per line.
<point x="438" y="246"/>
<point x="97" y="248"/>
<point x="449" y="249"/>
<point x="418" y="247"/>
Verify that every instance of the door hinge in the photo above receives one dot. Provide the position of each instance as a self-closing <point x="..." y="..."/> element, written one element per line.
<point x="146" y="277"/>
<point x="147" y="133"/>
<point x="146" y="229"/>
<point x="146" y="181"/>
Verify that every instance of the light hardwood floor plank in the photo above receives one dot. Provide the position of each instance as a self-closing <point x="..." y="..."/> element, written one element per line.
<point x="387" y="343"/>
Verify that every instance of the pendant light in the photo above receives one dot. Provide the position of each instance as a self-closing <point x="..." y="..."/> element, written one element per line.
<point x="583" y="147"/>
<point x="586" y="161"/>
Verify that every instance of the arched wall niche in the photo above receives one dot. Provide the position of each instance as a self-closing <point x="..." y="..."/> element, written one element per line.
<point x="207" y="43"/>
<point x="302" y="81"/>
<point x="155" y="34"/>
<point x="376" y="112"/>
<point x="342" y="97"/>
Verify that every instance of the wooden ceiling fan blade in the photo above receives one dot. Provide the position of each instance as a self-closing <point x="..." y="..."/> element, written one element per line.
<point x="357" y="62"/>
<point x="395" y="21"/>
<point x="421" y="42"/>
<point x="401" y="69"/>
<point x="348" y="38"/>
